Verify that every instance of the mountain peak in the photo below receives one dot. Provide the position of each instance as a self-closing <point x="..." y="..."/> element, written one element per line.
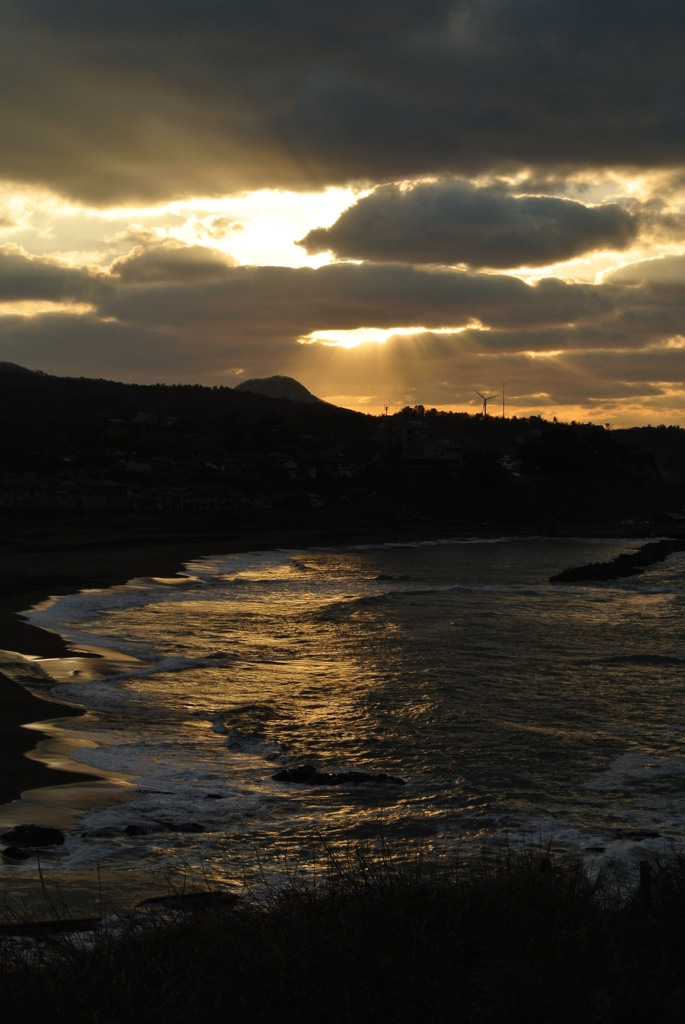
<point x="278" y="387"/>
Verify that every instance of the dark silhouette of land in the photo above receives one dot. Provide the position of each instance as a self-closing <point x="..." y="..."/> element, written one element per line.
<point x="222" y="459"/>
<point x="278" y="387"/>
<point x="102" y="481"/>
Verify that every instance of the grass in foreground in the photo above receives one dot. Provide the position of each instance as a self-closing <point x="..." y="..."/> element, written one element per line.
<point x="512" y="939"/>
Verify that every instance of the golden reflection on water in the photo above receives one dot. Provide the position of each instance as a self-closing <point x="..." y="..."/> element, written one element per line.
<point x="507" y="704"/>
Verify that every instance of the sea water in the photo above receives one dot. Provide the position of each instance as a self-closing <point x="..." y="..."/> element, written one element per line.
<point x="512" y="708"/>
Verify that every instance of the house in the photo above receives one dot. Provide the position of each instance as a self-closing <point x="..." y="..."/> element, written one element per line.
<point x="398" y="432"/>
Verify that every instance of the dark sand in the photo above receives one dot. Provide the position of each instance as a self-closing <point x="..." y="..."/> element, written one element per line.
<point x="17" y="773"/>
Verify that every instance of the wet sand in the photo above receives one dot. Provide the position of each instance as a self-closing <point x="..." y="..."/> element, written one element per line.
<point x="17" y="773"/>
<point x="26" y="578"/>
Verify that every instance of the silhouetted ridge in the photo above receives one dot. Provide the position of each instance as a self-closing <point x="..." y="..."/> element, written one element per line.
<point x="81" y="447"/>
<point x="278" y="387"/>
<point x="15" y="368"/>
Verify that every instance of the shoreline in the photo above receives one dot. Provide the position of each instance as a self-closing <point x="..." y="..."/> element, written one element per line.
<point x="41" y="571"/>
<point x="32" y="573"/>
<point x="18" y="772"/>
<point x="38" y="571"/>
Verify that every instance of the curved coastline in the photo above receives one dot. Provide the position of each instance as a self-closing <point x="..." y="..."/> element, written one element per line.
<point x="31" y="575"/>
<point x="27" y="579"/>
<point x="124" y="885"/>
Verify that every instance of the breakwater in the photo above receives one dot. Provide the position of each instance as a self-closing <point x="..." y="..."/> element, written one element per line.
<point x="623" y="565"/>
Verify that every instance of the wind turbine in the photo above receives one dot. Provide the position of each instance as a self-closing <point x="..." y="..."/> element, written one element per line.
<point x="486" y="399"/>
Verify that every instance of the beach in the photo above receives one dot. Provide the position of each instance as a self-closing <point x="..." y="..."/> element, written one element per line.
<point x="28" y="577"/>
<point x="17" y="772"/>
<point x="40" y="560"/>
<point x="180" y="770"/>
<point x="48" y="558"/>
<point x="201" y="716"/>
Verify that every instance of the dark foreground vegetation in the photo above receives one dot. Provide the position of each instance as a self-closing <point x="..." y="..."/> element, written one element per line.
<point x="516" y="939"/>
<point x="623" y="565"/>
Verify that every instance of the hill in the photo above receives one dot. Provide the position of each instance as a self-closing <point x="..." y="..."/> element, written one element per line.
<point x="278" y="387"/>
<point x="46" y="420"/>
<point x="77" y="447"/>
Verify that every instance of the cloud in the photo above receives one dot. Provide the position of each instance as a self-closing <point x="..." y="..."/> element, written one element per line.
<point x="658" y="222"/>
<point x="665" y="271"/>
<point x="24" y="278"/>
<point x="218" y="227"/>
<point x="195" y="291"/>
<point x="453" y="222"/>
<point x="260" y="303"/>
<point x="558" y="345"/>
<point x="122" y="101"/>
<point x="171" y="262"/>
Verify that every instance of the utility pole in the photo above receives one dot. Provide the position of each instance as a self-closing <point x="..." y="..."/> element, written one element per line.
<point x="502" y="401"/>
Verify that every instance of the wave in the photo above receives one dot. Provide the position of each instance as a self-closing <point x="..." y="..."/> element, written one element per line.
<point x="632" y="771"/>
<point x="64" y="613"/>
<point x="347" y="600"/>
<point x="644" y="659"/>
<point x="83" y="694"/>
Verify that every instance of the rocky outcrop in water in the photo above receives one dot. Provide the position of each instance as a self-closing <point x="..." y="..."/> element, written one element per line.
<point x="623" y="565"/>
<point x="33" y="836"/>
<point x="15" y="853"/>
<point x="308" y="775"/>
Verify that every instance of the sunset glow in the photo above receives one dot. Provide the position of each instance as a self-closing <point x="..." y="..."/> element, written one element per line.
<point x="420" y="249"/>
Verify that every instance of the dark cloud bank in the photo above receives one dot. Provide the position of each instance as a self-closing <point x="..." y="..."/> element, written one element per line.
<point x="452" y="222"/>
<point x="155" y="317"/>
<point x="119" y="100"/>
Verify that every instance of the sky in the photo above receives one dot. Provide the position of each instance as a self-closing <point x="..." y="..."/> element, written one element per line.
<point x="394" y="202"/>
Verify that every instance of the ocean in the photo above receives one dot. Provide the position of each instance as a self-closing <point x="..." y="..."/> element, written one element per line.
<point x="512" y="709"/>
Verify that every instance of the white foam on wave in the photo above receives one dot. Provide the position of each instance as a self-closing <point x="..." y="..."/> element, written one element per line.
<point x="632" y="771"/>
<point x="183" y="808"/>
<point x="69" y="614"/>
<point x="99" y="687"/>
<point x="216" y="724"/>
